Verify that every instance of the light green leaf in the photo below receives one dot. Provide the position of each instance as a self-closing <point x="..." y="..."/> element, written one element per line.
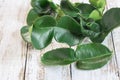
<point x="98" y="3"/>
<point x="96" y="15"/>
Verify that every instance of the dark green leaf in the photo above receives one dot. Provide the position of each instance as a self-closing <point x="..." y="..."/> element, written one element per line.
<point x="32" y="16"/>
<point x="68" y="8"/>
<point x="45" y="21"/>
<point x="42" y="32"/>
<point x="70" y="24"/>
<point x="44" y="7"/>
<point x="85" y="9"/>
<point x="65" y="36"/>
<point x="111" y="19"/>
<point x="25" y="33"/>
<point x="88" y="32"/>
<point x="61" y="56"/>
<point x="39" y="3"/>
<point x="92" y="56"/>
<point x="100" y="38"/>
<point x="41" y="37"/>
<point x="85" y="65"/>
<point x="93" y="26"/>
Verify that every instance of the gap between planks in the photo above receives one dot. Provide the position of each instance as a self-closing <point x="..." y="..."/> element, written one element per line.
<point x="118" y="72"/>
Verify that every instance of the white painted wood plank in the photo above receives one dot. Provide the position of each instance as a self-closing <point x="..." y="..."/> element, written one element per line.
<point x="108" y="72"/>
<point x="37" y="71"/>
<point x="116" y="35"/>
<point x="12" y="47"/>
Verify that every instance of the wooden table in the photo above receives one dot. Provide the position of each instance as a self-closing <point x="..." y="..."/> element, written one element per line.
<point x="19" y="61"/>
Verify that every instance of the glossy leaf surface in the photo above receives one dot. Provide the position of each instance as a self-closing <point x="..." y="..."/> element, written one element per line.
<point x="42" y="32"/>
<point x="69" y="23"/>
<point x="65" y="36"/>
<point x="85" y="65"/>
<point x="92" y="56"/>
<point x="61" y="56"/>
<point x="45" y="21"/>
<point x="32" y="16"/>
<point x="68" y="8"/>
<point x="25" y="33"/>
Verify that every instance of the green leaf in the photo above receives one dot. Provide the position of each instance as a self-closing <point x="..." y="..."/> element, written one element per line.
<point x="85" y="9"/>
<point x="65" y="36"/>
<point x="53" y="6"/>
<point x="44" y="7"/>
<point x="25" y="33"/>
<point x="100" y="6"/>
<point x="68" y="8"/>
<point x="88" y="32"/>
<point x="45" y="21"/>
<point x="69" y="23"/>
<point x="39" y="3"/>
<point x="111" y="19"/>
<point x="93" y="26"/>
<point x="100" y="38"/>
<point x="41" y="37"/>
<point x="92" y="65"/>
<point x="98" y="3"/>
<point x="96" y="15"/>
<point x="61" y="56"/>
<point x="42" y="32"/>
<point x="92" y="56"/>
<point x="32" y="16"/>
<point x="69" y="31"/>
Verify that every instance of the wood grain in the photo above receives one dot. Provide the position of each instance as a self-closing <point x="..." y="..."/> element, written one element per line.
<point x="12" y="47"/>
<point x="116" y="38"/>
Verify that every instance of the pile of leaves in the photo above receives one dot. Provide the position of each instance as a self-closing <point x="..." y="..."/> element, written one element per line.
<point x="71" y="23"/>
